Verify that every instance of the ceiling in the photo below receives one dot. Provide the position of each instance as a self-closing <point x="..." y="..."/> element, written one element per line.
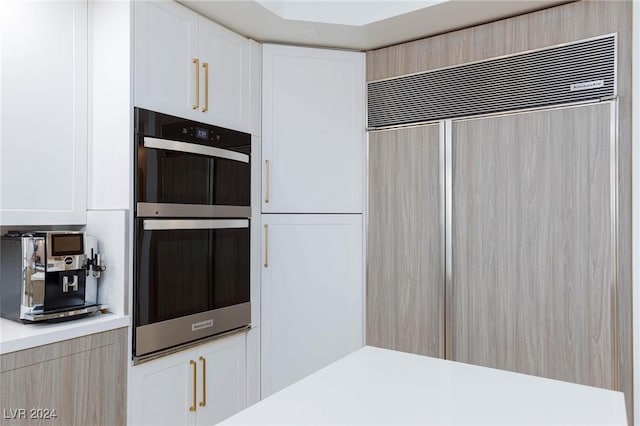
<point x="356" y="25"/>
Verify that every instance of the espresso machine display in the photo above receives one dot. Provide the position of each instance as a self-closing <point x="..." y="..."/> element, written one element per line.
<point x="49" y="275"/>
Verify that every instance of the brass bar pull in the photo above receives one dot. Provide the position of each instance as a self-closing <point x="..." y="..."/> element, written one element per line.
<point x="266" y="197"/>
<point x="195" y="367"/>
<point x="266" y="246"/>
<point x="197" y="62"/>
<point x="203" y="403"/>
<point x="206" y="87"/>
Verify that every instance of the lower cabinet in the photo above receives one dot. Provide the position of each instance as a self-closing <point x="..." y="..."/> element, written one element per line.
<point x="198" y="386"/>
<point x="312" y="294"/>
<point x="78" y="381"/>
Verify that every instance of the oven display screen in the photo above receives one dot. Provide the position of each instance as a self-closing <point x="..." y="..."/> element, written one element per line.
<point x="66" y="244"/>
<point x="202" y="133"/>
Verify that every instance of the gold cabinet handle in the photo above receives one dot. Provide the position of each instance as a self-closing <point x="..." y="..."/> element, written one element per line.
<point x="196" y="61"/>
<point x="266" y="167"/>
<point x="203" y="403"/>
<point x="195" y="367"/>
<point x="266" y="246"/>
<point x="206" y="87"/>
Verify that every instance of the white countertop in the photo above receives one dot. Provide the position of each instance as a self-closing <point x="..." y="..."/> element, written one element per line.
<point x="378" y="386"/>
<point x="15" y="336"/>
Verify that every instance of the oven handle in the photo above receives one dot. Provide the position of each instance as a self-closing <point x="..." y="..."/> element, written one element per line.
<point x="177" y="224"/>
<point x="193" y="148"/>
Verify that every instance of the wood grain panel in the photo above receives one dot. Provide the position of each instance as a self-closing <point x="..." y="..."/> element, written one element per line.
<point x="561" y="24"/>
<point x="83" y="379"/>
<point x="533" y="261"/>
<point x="556" y="25"/>
<point x="405" y="286"/>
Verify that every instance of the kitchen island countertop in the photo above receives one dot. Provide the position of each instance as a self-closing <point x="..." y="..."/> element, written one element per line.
<point x="379" y="386"/>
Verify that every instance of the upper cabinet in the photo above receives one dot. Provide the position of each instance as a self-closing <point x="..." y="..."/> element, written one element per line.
<point x="191" y="67"/>
<point x="225" y="70"/>
<point x="43" y="153"/>
<point x="312" y="130"/>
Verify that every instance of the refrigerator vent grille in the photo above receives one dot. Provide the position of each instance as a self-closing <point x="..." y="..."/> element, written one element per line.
<point x="569" y="73"/>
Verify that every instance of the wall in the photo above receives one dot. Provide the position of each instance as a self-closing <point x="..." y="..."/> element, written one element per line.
<point x="110" y="136"/>
<point x="110" y="112"/>
<point x="109" y="200"/>
<point x="561" y="24"/>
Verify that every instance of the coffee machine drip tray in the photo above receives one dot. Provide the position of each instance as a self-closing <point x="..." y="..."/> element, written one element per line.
<point x="62" y="314"/>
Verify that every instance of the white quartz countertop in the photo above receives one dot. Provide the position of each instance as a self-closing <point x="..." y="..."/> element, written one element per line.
<point x="377" y="386"/>
<point x="15" y="336"/>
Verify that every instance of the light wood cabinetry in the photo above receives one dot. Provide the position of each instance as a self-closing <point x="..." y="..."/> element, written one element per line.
<point x="312" y="130"/>
<point x="312" y="293"/>
<point x="532" y="284"/>
<point x="202" y="385"/>
<point x="191" y="67"/>
<point x="562" y="24"/>
<point x="43" y="153"/>
<point x="534" y="278"/>
<point x="80" y="381"/>
<point x="405" y="240"/>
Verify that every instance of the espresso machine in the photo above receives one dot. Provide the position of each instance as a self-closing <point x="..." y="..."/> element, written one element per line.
<point x="47" y="276"/>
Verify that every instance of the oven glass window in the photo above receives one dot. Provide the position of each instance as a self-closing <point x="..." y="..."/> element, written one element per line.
<point x="183" y="272"/>
<point x="183" y="178"/>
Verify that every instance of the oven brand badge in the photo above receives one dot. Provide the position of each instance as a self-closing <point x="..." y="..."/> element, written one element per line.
<point x="202" y="324"/>
<point x="586" y="85"/>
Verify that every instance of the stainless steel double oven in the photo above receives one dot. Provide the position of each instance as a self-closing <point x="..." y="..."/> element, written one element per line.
<point x="192" y="221"/>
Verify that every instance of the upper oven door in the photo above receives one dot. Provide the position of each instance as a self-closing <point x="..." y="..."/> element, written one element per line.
<point x="181" y="179"/>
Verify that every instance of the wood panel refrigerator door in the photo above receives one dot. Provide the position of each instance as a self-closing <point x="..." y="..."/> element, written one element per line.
<point x="312" y="130"/>
<point x="43" y="113"/>
<point x="312" y="294"/>
<point x="533" y="266"/>
<point x="166" y="43"/>
<point x="405" y="248"/>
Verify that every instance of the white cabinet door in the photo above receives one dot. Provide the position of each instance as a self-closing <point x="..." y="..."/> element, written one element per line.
<point x="43" y="153"/>
<point x="312" y="130"/>
<point x="312" y="294"/>
<point x="191" y="67"/>
<point x="166" y="44"/>
<point x="162" y="391"/>
<point x="226" y="67"/>
<point x="210" y="378"/>
<point x="226" y="382"/>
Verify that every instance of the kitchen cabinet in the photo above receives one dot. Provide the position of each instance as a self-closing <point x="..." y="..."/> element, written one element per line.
<point x="312" y="130"/>
<point x="43" y="162"/>
<point x="202" y="385"/>
<point x="191" y="67"/>
<point x="79" y="381"/>
<point x="312" y="294"/>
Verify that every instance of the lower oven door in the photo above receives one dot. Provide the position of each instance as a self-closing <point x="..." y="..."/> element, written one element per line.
<point x="191" y="280"/>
